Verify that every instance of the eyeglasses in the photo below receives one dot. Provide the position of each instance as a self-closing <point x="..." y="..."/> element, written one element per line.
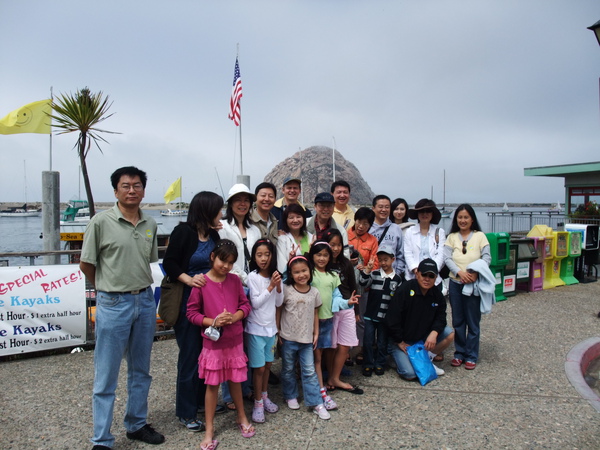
<point x="464" y="247"/>
<point x="429" y="275"/>
<point x="136" y="187"/>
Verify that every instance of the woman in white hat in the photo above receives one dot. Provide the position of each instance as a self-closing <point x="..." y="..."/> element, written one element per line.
<point x="425" y="240"/>
<point x="238" y="227"/>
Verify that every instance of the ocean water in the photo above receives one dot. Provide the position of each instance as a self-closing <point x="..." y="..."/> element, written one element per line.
<point x="23" y="234"/>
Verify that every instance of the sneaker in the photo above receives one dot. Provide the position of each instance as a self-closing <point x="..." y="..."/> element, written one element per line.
<point x="367" y="371"/>
<point x="270" y="407"/>
<point x="329" y="403"/>
<point x="439" y="372"/>
<point x="147" y="434"/>
<point x="192" y="424"/>
<point x="322" y="412"/>
<point x="379" y="371"/>
<point x="293" y="403"/>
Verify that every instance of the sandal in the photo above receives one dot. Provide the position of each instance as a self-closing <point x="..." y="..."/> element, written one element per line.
<point x="230" y="406"/>
<point x="349" y="362"/>
<point x="359" y="359"/>
<point x="212" y="446"/>
<point x="258" y="414"/>
<point x="247" y="431"/>
<point x="438" y="358"/>
<point x="269" y="406"/>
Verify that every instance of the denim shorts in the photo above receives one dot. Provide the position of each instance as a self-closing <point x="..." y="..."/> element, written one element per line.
<point x="260" y="349"/>
<point x="325" y="332"/>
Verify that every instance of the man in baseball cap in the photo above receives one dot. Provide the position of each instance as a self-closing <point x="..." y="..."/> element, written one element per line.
<point x="418" y="313"/>
<point x="292" y="187"/>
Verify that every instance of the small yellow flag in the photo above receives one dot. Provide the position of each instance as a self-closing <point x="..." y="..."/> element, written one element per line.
<point x="174" y="191"/>
<point x="31" y="118"/>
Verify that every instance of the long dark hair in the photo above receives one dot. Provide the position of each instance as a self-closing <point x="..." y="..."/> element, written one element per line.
<point x="316" y="248"/>
<point x="272" y="265"/>
<point x="328" y="236"/>
<point x="469" y="209"/>
<point x="204" y="208"/>
<point x="295" y="209"/>
<point x="291" y="263"/>
<point x="395" y="204"/>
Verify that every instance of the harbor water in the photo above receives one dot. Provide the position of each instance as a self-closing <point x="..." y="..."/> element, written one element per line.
<point x="24" y="234"/>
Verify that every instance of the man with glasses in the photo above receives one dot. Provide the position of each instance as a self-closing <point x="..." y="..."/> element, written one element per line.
<point x="388" y="234"/>
<point x="323" y="221"/>
<point x="418" y="313"/>
<point x="118" y="246"/>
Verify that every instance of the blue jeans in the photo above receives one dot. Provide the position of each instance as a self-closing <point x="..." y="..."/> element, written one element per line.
<point x="375" y="332"/>
<point x="125" y="326"/>
<point x="403" y="364"/>
<point x="246" y="385"/>
<point x="466" y="315"/>
<point x="290" y="352"/>
<point x="190" y="389"/>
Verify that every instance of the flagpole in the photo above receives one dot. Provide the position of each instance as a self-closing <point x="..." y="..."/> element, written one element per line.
<point x="241" y="161"/>
<point x="51" y="101"/>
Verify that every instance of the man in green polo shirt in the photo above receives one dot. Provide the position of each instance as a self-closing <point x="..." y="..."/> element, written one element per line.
<point x="118" y="246"/>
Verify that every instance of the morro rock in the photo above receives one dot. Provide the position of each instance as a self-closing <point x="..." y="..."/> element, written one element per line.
<point x="314" y="167"/>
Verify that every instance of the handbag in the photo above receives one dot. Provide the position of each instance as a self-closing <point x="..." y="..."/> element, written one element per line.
<point x="171" y="293"/>
<point x="422" y="365"/>
<point x="213" y="332"/>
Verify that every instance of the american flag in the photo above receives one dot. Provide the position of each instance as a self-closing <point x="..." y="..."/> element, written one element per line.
<point x="236" y="95"/>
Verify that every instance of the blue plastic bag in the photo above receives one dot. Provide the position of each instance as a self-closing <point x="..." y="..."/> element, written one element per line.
<point x="422" y="365"/>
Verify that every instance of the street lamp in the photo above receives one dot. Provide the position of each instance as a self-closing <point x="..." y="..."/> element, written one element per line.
<point x="596" y="29"/>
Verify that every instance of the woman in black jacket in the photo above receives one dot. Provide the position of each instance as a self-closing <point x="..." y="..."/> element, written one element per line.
<point x="187" y="259"/>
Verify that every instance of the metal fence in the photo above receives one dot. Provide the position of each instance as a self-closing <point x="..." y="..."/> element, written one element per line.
<point x="523" y="221"/>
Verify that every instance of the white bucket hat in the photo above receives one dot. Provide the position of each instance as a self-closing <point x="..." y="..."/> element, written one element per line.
<point x="240" y="189"/>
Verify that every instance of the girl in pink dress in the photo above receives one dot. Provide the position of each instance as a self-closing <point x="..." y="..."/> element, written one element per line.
<point x="221" y="303"/>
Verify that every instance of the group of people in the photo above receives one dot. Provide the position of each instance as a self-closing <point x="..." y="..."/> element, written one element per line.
<point x="269" y="275"/>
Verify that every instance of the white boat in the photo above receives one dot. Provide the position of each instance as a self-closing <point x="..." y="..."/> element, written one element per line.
<point x="556" y="207"/>
<point x="505" y="207"/>
<point x="21" y="212"/>
<point x="174" y="212"/>
<point x="445" y="212"/>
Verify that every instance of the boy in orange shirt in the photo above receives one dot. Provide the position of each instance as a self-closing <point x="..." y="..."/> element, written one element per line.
<point x="363" y="249"/>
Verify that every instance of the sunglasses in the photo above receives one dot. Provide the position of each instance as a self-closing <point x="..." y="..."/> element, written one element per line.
<point x="429" y="275"/>
<point x="464" y="250"/>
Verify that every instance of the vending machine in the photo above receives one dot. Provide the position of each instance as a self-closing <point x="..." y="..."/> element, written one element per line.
<point x="544" y="232"/>
<point x="567" y="267"/>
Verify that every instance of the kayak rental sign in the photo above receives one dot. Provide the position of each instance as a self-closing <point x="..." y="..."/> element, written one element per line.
<point x="41" y="308"/>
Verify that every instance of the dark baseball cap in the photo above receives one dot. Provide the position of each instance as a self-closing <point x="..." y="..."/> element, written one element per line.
<point x="428" y="265"/>
<point x="290" y="179"/>
<point x="324" y="197"/>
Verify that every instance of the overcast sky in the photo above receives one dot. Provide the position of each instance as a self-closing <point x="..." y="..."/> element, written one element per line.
<point x="479" y="88"/>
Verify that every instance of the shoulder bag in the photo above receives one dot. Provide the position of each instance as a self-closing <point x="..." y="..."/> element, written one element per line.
<point x="171" y="293"/>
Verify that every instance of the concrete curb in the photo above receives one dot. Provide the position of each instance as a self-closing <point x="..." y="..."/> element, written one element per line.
<point x="578" y="360"/>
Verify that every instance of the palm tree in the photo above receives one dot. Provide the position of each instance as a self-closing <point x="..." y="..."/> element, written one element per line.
<point x="82" y="112"/>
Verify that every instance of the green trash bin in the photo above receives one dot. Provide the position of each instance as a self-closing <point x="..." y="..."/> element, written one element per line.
<point x="499" y="250"/>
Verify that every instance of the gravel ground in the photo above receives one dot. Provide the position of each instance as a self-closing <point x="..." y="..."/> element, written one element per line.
<point x="518" y="397"/>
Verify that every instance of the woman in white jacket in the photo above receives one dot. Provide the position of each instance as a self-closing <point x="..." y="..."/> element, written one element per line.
<point x="425" y="240"/>
<point x="238" y="228"/>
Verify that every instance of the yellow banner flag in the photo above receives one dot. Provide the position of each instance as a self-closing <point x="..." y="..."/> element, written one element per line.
<point x="31" y="118"/>
<point x="174" y="191"/>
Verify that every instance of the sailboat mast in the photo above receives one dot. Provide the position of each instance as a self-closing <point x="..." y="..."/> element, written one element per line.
<point x="444" y="204"/>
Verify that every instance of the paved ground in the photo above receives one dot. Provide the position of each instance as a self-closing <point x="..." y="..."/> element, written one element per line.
<point x="518" y="397"/>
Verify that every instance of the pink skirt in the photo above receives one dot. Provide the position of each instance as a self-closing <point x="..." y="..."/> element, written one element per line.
<point x="218" y="365"/>
<point x="344" y="328"/>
